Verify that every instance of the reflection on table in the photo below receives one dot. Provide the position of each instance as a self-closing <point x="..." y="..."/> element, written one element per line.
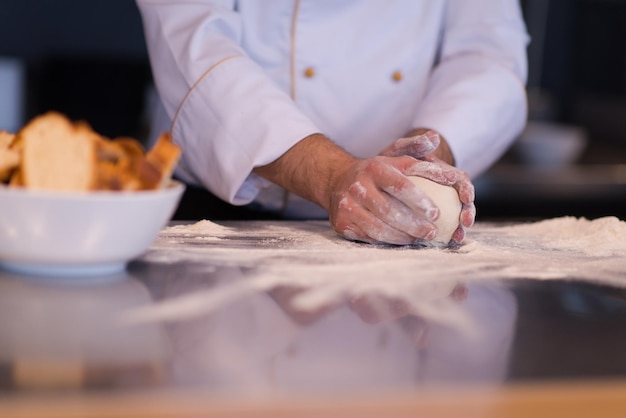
<point x="260" y="317"/>
<point x="236" y="340"/>
<point x="61" y="335"/>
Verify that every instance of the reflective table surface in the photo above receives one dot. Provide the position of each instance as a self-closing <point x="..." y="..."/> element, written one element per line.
<point x="288" y="319"/>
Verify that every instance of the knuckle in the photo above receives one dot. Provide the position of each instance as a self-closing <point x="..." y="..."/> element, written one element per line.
<point x="384" y="210"/>
<point x="374" y="167"/>
<point x="340" y="224"/>
<point x="357" y="190"/>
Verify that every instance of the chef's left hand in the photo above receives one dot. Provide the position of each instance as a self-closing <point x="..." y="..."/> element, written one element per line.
<point x="431" y="150"/>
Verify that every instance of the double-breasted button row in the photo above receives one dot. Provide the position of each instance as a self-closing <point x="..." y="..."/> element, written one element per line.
<point x="397" y="76"/>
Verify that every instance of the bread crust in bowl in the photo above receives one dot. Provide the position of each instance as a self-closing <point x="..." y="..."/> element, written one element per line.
<point x="53" y="153"/>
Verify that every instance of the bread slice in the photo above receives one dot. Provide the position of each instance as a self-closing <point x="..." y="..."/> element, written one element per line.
<point x="146" y="174"/>
<point x="122" y="165"/>
<point x="9" y="161"/>
<point x="6" y="139"/>
<point x="164" y="156"/>
<point x="53" y="153"/>
<point x="16" y="179"/>
<point x="58" y="154"/>
<point x="112" y="171"/>
<point x="9" y="158"/>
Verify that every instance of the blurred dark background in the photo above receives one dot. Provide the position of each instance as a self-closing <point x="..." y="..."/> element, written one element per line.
<point x="85" y="58"/>
<point x="88" y="60"/>
<point x="577" y="69"/>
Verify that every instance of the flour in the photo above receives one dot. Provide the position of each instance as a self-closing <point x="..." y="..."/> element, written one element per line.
<point x="328" y="269"/>
<point x="201" y="227"/>
<point x="600" y="237"/>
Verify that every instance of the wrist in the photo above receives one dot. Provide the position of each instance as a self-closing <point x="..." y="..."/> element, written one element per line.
<point x="310" y="169"/>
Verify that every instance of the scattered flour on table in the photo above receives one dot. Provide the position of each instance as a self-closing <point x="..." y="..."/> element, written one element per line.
<point x="326" y="268"/>
<point x="201" y="227"/>
<point x="599" y="237"/>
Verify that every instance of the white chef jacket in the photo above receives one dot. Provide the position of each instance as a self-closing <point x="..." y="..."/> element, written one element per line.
<point x="242" y="81"/>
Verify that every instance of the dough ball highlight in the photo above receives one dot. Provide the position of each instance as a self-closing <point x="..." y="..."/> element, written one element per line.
<point x="447" y="200"/>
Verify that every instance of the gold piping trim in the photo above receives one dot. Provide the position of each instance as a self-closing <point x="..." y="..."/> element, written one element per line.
<point x="292" y="71"/>
<point x="292" y="60"/>
<point x="175" y="118"/>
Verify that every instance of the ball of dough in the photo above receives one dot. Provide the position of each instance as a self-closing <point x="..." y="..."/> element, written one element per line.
<point x="447" y="200"/>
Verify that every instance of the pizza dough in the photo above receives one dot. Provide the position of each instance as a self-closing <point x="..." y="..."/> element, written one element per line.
<point x="447" y="200"/>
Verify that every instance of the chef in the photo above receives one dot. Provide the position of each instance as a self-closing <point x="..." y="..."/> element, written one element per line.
<point x="312" y="108"/>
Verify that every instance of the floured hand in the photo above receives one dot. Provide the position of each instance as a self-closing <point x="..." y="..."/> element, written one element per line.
<point x="424" y="145"/>
<point x="374" y="201"/>
<point x="434" y="169"/>
<point x="416" y="146"/>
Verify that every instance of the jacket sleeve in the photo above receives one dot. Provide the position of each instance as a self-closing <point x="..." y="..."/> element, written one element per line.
<point x="476" y="95"/>
<point x="226" y="113"/>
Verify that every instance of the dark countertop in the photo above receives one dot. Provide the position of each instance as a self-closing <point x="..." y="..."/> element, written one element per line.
<point x="259" y="309"/>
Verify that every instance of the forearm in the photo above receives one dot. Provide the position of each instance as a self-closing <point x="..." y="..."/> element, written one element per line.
<point x="309" y="169"/>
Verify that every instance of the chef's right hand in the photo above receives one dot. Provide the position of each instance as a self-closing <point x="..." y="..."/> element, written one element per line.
<point x="438" y="166"/>
<point x="370" y="200"/>
<point x="374" y="201"/>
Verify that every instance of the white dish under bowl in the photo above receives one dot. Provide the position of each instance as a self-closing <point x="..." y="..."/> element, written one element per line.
<point x="71" y="234"/>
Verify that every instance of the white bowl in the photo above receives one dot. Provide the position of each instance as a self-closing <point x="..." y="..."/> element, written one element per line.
<point x="550" y="145"/>
<point x="74" y="234"/>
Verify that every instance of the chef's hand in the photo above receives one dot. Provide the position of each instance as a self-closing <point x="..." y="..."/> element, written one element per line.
<point x="374" y="201"/>
<point x="417" y="145"/>
<point x="369" y="200"/>
<point x="428" y="146"/>
<point x="460" y="181"/>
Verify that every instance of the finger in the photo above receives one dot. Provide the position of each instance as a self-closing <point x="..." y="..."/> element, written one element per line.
<point x="442" y="173"/>
<point x="373" y="231"/>
<point x="468" y="215"/>
<point x="458" y="235"/>
<point x="415" y="146"/>
<point x="466" y="219"/>
<point x="357" y="223"/>
<point x="390" y="179"/>
<point x="387" y="210"/>
<point x="397" y="215"/>
<point x="464" y="187"/>
<point x="437" y="170"/>
<point x="432" y="169"/>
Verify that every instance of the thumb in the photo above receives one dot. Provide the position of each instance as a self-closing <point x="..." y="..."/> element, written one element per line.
<point x="416" y="146"/>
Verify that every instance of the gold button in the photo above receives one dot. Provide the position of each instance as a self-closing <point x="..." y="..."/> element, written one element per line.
<point x="309" y="72"/>
<point x="397" y="76"/>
